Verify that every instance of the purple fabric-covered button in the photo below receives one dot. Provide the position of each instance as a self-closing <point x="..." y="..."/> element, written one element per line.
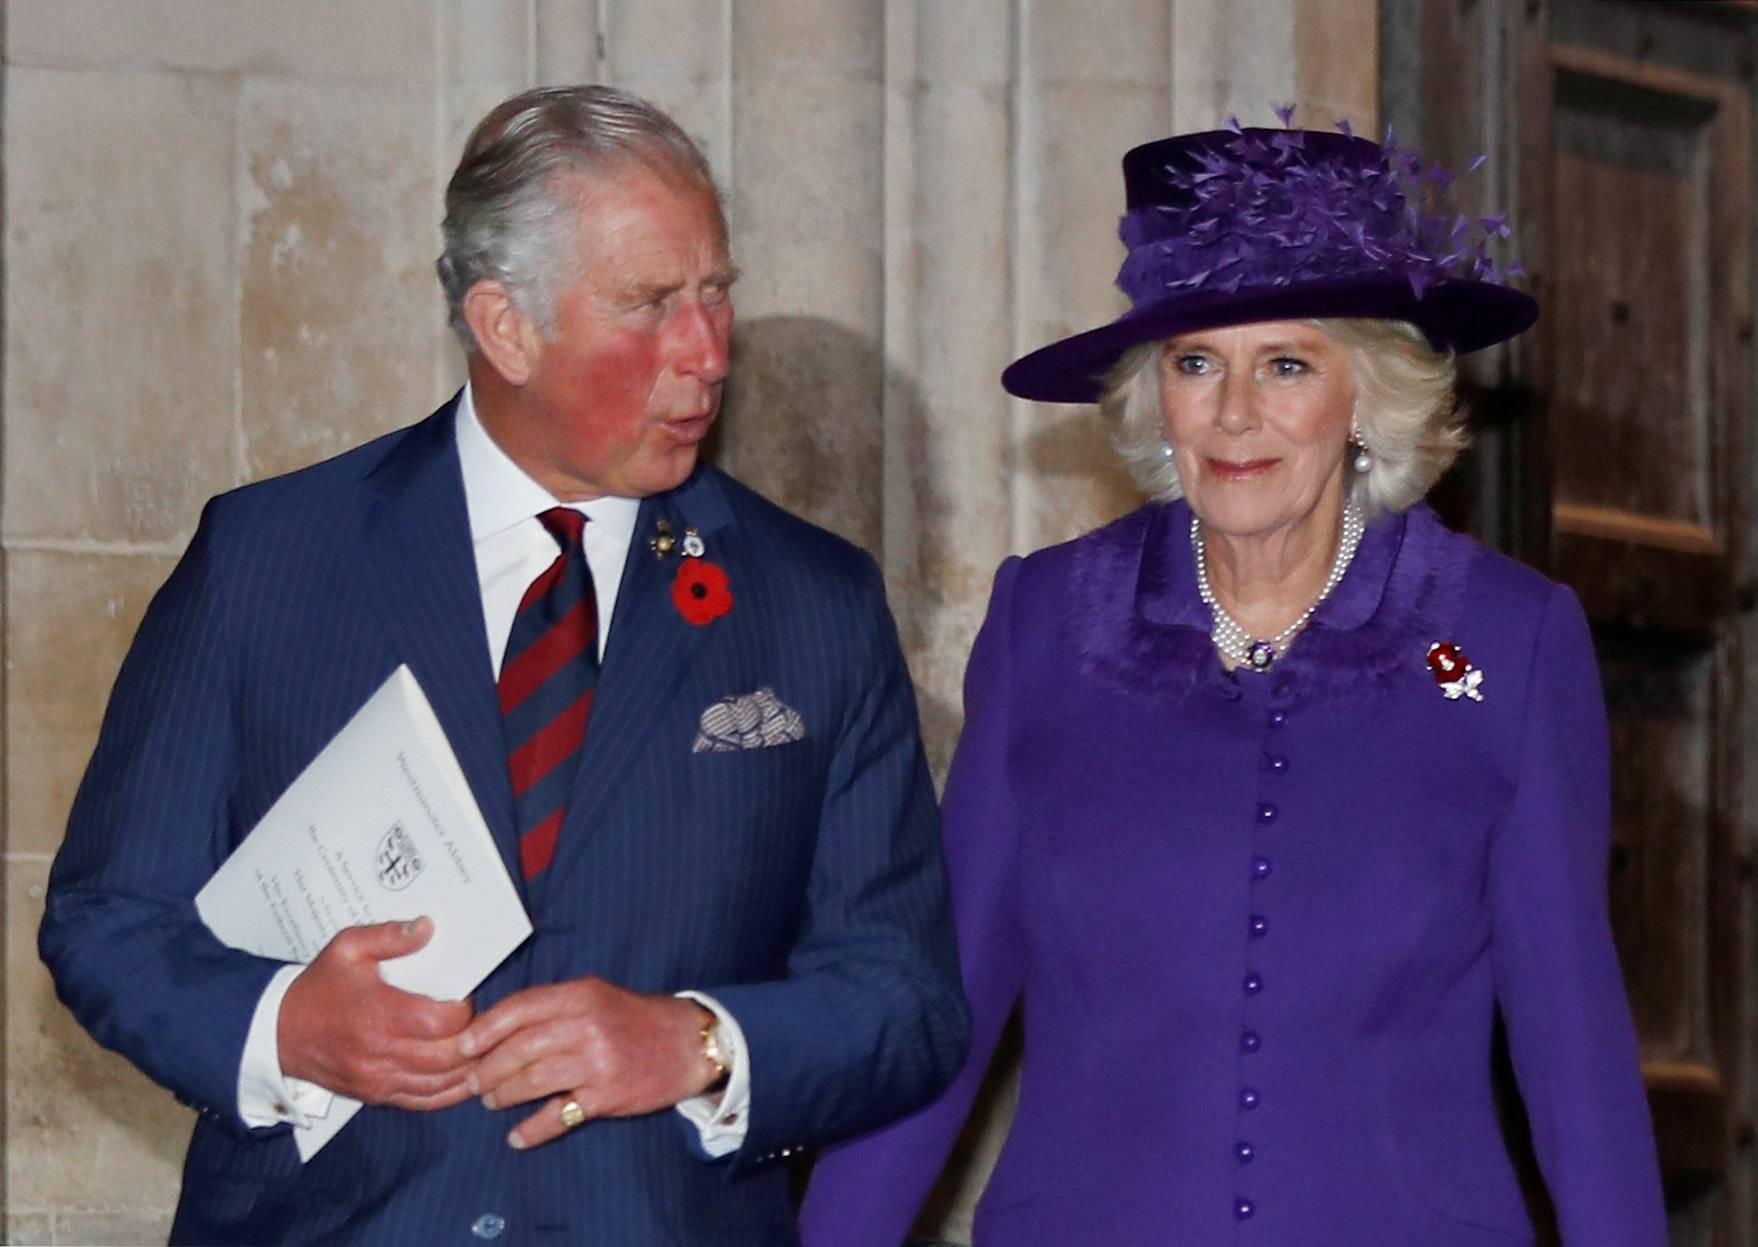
<point x="1253" y="984"/>
<point x="1278" y="718"/>
<point x="1248" y="1097"/>
<point x="1242" y="1208"/>
<point x="1259" y="926"/>
<point x="1260" y="868"/>
<point x="1266" y="813"/>
<point x="1277" y="763"/>
<point x="1251" y="1041"/>
<point x="1245" y="1152"/>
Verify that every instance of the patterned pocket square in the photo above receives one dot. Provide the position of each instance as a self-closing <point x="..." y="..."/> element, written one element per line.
<point x="750" y="721"/>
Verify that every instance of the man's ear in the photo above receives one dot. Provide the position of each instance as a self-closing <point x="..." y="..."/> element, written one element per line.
<point x="505" y="337"/>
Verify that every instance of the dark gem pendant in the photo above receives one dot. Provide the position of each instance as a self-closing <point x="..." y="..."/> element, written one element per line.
<point x="1260" y="655"/>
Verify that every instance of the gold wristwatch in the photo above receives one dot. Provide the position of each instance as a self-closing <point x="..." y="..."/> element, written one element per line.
<point x="710" y="1035"/>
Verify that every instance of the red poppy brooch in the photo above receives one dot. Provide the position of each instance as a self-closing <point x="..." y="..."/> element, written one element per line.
<point x="1453" y="672"/>
<point x="699" y="590"/>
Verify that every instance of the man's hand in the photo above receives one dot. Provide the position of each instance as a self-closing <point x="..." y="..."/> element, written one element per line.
<point x="616" y="1052"/>
<point x="346" y="1029"/>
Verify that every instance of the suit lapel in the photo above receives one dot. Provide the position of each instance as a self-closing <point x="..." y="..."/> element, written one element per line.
<point x="651" y="648"/>
<point x="420" y="569"/>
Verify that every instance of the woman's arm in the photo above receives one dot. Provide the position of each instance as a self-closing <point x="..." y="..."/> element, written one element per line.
<point x="1556" y="970"/>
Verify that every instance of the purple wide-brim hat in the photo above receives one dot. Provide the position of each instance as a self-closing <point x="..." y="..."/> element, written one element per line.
<point x="1229" y="227"/>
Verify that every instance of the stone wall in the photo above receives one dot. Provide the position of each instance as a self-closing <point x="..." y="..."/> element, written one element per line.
<point x="220" y="217"/>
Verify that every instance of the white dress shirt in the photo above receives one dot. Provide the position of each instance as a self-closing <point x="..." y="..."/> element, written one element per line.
<point x="512" y="549"/>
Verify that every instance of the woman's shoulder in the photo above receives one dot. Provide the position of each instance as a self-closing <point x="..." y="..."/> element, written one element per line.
<point x="1104" y="554"/>
<point x="1505" y="618"/>
<point x="1414" y="584"/>
<point x="1489" y="583"/>
<point x="1095" y="580"/>
<point x="1118" y="603"/>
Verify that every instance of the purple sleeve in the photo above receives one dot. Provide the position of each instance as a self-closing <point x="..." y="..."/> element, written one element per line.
<point x="1556" y="970"/>
<point x="868" y="1190"/>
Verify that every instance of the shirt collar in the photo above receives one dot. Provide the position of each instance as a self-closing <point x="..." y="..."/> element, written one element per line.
<point x="499" y="495"/>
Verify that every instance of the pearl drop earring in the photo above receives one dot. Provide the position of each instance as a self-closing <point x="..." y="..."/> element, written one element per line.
<point x="1363" y="461"/>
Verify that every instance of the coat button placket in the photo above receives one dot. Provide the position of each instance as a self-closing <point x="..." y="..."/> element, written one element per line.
<point x="1265" y="818"/>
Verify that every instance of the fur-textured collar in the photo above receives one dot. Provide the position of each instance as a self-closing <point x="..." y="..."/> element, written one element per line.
<point x="1136" y="620"/>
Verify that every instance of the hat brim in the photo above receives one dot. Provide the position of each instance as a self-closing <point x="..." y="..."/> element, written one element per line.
<point x="1455" y="315"/>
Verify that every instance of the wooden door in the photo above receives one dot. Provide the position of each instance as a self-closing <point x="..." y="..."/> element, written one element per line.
<point x="1617" y="455"/>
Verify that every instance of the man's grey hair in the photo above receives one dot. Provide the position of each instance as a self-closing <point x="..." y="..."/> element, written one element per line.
<point x="511" y="206"/>
<point x="1406" y="413"/>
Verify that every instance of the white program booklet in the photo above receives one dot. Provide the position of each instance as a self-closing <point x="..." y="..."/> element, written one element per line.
<point x="380" y="827"/>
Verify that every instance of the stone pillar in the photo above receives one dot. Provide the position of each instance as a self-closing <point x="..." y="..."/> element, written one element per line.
<point x="950" y="159"/>
<point x="673" y="52"/>
<point x="1096" y="80"/>
<point x="806" y="202"/>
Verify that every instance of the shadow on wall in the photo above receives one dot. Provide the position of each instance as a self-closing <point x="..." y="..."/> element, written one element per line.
<point x="804" y="422"/>
<point x="804" y="426"/>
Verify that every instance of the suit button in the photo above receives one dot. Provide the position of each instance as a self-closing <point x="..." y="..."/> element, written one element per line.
<point x="1254" y="984"/>
<point x="1245" y="1152"/>
<point x="1260" y="868"/>
<point x="1251" y="1041"/>
<point x="1248" y="1097"/>
<point x="1278" y="718"/>
<point x="488" y="1225"/>
<point x="1260" y="925"/>
<point x="1266" y="813"/>
<point x="1242" y="1208"/>
<point x="1277" y="763"/>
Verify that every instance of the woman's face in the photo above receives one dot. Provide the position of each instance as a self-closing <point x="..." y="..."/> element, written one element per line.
<point x="1258" y="417"/>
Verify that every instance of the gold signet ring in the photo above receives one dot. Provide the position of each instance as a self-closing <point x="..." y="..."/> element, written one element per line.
<point x="572" y="1114"/>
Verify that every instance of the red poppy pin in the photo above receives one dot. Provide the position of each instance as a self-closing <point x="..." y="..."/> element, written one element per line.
<point x="1454" y="672"/>
<point x="700" y="591"/>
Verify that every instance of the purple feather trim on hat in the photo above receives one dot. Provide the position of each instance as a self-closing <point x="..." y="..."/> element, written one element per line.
<point x="1258" y="210"/>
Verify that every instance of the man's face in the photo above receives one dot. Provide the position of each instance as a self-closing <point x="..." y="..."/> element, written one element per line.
<point x="619" y="400"/>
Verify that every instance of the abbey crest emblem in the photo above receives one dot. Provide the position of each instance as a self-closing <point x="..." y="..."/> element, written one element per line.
<point x="398" y="861"/>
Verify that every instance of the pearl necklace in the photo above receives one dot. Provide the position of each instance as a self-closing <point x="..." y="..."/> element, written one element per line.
<point x="1234" y="641"/>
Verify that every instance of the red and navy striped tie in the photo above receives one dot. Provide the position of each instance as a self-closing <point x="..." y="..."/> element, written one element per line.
<point x="547" y="679"/>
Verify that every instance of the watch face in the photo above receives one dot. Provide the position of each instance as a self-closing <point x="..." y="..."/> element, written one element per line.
<point x="712" y="1054"/>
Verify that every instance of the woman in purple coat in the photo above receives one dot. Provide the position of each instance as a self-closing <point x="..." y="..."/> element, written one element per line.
<point x="1272" y="793"/>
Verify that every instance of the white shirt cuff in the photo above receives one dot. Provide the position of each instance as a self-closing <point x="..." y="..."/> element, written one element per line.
<point x="720" y="1116"/>
<point x="266" y="1097"/>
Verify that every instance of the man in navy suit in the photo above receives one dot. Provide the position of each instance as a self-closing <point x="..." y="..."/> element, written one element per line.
<point x="738" y="900"/>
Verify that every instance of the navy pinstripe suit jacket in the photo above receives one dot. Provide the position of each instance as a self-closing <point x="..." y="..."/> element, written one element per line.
<point x="802" y="884"/>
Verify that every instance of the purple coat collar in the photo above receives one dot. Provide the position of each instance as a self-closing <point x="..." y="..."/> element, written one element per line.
<point x="1138" y="622"/>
